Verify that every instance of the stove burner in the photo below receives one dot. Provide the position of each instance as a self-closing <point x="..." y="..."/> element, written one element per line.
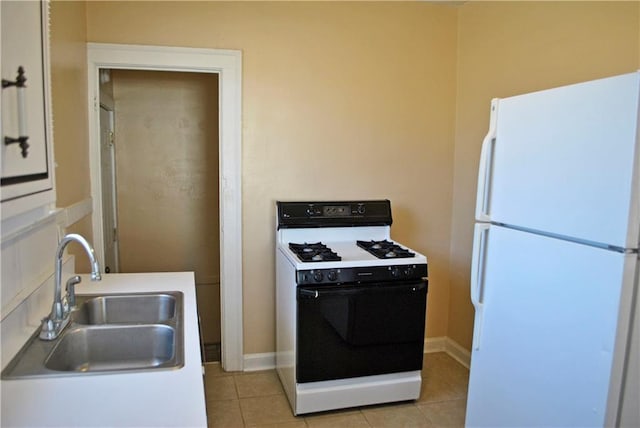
<point x="385" y="249"/>
<point x="317" y="252"/>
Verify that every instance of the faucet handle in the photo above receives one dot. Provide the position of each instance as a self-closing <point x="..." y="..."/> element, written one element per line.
<point x="71" y="290"/>
<point x="47" y="324"/>
<point x="47" y="331"/>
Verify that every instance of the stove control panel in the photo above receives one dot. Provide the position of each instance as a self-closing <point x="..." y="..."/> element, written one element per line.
<point x="361" y="274"/>
<point x="334" y="214"/>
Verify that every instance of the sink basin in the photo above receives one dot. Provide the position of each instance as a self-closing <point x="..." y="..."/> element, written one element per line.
<point x="111" y="333"/>
<point x="125" y="309"/>
<point x="113" y="348"/>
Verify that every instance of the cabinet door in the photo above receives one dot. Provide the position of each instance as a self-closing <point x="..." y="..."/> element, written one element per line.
<point x="24" y="38"/>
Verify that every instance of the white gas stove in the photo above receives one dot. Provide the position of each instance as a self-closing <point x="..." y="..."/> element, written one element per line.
<point x="350" y="306"/>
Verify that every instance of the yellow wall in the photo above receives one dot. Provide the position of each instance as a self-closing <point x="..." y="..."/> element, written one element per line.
<point x="331" y="89"/>
<point x="70" y="116"/>
<point x="508" y="48"/>
<point x="340" y="100"/>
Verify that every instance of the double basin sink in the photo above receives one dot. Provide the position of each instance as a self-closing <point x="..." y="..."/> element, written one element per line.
<point x="109" y="334"/>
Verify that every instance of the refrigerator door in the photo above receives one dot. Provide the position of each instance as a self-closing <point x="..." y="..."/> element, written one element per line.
<point x="565" y="161"/>
<point x="550" y="315"/>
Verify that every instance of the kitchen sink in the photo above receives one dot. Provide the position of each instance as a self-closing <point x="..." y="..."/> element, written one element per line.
<point x="108" y="334"/>
<point x="110" y="348"/>
<point x="131" y="309"/>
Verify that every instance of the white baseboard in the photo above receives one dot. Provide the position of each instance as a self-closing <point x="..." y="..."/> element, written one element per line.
<point x="435" y="344"/>
<point x="457" y="352"/>
<point x="255" y="362"/>
<point x="267" y="360"/>
<point x="450" y="346"/>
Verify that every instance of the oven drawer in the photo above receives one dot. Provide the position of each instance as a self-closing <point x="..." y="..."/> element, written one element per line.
<point x="355" y="330"/>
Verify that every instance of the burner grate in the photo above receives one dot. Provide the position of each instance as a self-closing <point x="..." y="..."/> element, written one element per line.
<point x="317" y="252"/>
<point x="385" y="249"/>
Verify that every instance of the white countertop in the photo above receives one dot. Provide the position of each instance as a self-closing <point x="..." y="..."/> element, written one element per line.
<point x="154" y="398"/>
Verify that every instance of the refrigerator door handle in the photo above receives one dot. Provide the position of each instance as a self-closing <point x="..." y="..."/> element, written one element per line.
<point x="485" y="167"/>
<point x="481" y="232"/>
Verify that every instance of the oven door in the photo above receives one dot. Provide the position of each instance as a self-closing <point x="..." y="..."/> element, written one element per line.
<point x="359" y="329"/>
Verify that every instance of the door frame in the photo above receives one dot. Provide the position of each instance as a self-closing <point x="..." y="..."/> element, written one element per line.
<point x="112" y="184"/>
<point x="228" y="65"/>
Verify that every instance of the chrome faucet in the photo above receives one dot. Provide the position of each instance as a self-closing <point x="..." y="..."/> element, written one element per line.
<point x="58" y="319"/>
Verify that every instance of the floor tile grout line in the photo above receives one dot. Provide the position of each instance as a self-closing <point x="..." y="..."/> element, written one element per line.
<point x="260" y="396"/>
<point x="235" y="385"/>
<point x="448" y="400"/>
<point x="440" y="365"/>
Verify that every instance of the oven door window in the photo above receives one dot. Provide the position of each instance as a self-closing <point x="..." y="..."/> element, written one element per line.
<point x="360" y="330"/>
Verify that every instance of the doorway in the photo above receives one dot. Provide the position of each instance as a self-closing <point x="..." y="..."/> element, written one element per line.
<point x="160" y="145"/>
<point x="227" y="65"/>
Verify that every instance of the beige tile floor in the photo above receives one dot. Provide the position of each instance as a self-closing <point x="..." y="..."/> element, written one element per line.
<point x="256" y="399"/>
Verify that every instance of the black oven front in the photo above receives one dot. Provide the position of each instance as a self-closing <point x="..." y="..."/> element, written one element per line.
<point x="347" y="330"/>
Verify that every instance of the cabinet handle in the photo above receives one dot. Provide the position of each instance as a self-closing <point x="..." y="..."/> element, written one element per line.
<point x="20" y="85"/>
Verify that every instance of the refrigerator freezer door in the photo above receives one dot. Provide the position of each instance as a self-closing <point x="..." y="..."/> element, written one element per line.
<point x="565" y="161"/>
<point x="550" y="315"/>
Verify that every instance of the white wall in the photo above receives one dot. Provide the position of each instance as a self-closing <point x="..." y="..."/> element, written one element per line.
<point x="26" y="292"/>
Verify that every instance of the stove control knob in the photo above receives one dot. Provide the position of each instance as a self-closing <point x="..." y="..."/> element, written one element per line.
<point x="408" y="271"/>
<point x="361" y="209"/>
<point x="395" y="272"/>
<point x="332" y="275"/>
<point x="317" y="276"/>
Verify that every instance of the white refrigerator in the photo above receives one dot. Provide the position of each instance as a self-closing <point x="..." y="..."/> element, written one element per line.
<point x="554" y="278"/>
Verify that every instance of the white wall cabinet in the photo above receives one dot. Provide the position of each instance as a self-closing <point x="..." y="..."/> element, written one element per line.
<point x="26" y="173"/>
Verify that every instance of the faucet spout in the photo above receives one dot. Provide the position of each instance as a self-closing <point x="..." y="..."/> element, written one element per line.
<point x="58" y="319"/>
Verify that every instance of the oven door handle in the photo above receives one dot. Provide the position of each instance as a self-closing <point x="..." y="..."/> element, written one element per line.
<point x="310" y="294"/>
<point x="317" y="293"/>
